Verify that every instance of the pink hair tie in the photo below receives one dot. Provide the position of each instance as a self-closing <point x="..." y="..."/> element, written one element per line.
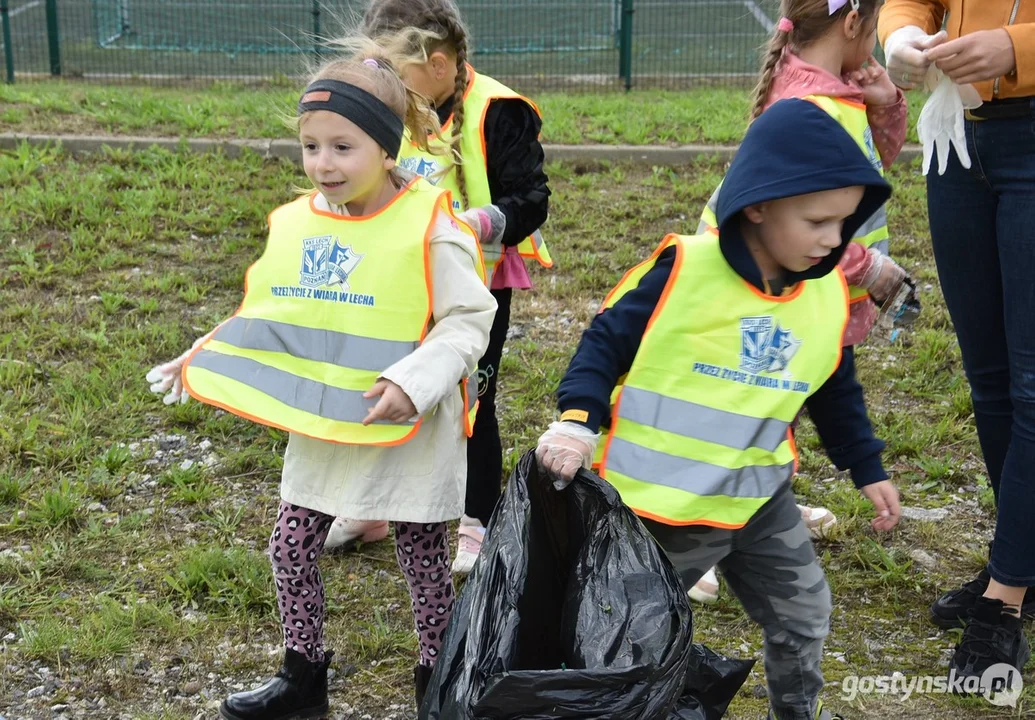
<point x="371" y="62"/>
<point x="785" y="25"/>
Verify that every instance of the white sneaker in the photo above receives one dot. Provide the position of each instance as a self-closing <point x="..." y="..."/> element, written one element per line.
<point x="707" y="588"/>
<point x="346" y="533"/>
<point x="469" y="544"/>
<point x="818" y="520"/>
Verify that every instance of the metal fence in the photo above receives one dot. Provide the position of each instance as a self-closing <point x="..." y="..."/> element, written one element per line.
<point x="595" y="43"/>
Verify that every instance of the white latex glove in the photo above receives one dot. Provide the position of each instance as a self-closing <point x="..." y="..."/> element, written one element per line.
<point x="168" y="378"/>
<point x="488" y="223"/>
<point x="941" y="120"/>
<point x="904" y="52"/>
<point x="564" y="448"/>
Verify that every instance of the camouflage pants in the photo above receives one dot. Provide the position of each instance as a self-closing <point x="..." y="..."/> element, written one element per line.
<point x="771" y="567"/>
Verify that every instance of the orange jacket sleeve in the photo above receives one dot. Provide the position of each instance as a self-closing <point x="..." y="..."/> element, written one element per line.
<point x="925" y="14"/>
<point x="1022" y="82"/>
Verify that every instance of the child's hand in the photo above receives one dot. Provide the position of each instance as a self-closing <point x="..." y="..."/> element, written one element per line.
<point x="883" y="278"/>
<point x="395" y="405"/>
<point x="876" y="84"/>
<point x="488" y="223"/>
<point x="884" y="497"/>
<point x="563" y="449"/>
<point x="168" y="378"/>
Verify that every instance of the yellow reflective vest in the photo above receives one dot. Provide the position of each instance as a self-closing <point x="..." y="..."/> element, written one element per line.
<point x="332" y="303"/>
<point x="700" y="427"/>
<point x="481" y="92"/>
<point x="852" y="117"/>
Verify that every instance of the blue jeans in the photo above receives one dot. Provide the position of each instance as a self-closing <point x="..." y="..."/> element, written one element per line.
<point x="983" y="231"/>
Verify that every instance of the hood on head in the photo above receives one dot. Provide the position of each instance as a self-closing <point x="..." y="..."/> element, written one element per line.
<point x="796" y="148"/>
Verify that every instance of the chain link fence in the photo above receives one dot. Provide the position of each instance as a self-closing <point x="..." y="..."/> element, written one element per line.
<point x="542" y="43"/>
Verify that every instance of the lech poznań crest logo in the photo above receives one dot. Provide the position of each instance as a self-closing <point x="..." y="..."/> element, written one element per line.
<point x="423" y="167"/>
<point x="765" y="346"/>
<point x="325" y="261"/>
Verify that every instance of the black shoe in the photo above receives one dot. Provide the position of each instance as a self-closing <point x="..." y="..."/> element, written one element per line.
<point x="991" y="637"/>
<point x="421" y="678"/>
<point x="950" y="610"/>
<point x="299" y="690"/>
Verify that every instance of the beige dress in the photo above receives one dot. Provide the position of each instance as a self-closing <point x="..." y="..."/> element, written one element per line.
<point x="424" y="479"/>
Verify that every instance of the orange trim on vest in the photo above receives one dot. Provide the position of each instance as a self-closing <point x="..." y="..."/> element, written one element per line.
<point x="653" y="256"/>
<point x="468" y="423"/>
<point x="357" y="218"/>
<point x="849" y="103"/>
<point x="672" y="523"/>
<point x="799" y="288"/>
<point x="844" y="327"/>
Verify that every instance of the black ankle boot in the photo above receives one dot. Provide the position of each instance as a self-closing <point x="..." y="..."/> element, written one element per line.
<point x="299" y="690"/>
<point x="421" y="678"/>
<point x="991" y="637"/>
<point x="951" y="609"/>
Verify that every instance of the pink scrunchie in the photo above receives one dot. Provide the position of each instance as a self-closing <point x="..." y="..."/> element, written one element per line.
<point x="785" y="25"/>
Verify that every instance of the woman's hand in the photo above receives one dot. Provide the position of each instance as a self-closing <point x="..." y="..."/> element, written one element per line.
<point x="981" y="55"/>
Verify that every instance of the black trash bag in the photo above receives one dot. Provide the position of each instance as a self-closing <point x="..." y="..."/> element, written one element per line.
<point x="573" y="611"/>
<point x="711" y="682"/>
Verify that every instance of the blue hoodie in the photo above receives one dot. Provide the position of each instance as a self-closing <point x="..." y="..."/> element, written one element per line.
<point x="793" y="148"/>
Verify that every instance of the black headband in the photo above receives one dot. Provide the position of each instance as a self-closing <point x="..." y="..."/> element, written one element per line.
<point x="371" y="115"/>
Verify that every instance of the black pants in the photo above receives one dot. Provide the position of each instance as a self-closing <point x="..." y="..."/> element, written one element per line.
<point x="484" y="448"/>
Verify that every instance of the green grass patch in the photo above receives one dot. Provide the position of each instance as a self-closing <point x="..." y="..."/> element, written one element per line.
<point x="714" y="115"/>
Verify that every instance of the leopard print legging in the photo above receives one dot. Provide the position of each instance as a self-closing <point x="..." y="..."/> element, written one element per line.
<point x="295" y="547"/>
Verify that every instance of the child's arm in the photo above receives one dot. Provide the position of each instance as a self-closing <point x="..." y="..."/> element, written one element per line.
<point x="838" y="410"/>
<point x="608" y="347"/>
<point x="888" y="124"/>
<point x="462" y="308"/>
<point x="514" y="158"/>
<point x="876" y="273"/>
<point x="605" y="353"/>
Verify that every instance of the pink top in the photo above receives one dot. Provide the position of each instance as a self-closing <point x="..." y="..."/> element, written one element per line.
<point x="795" y="78"/>
<point x="511" y="272"/>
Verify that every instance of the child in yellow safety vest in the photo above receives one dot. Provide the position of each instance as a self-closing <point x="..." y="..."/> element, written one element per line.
<point x="499" y="183"/>
<point x="359" y="333"/>
<point x="818" y="50"/>
<point x="699" y="362"/>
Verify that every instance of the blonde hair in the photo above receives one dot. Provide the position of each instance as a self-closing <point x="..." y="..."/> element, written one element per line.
<point x="811" y="20"/>
<point x="382" y="80"/>
<point x="430" y="25"/>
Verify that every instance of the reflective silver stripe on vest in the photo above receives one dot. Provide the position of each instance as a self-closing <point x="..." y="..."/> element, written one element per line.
<point x="700" y="422"/>
<point x="713" y="205"/>
<point x="492" y="252"/>
<point x="876" y="221"/>
<point x="336" y="348"/>
<point x="882" y="247"/>
<point x="302" y="394"/>
<point x="472" y="390"/>
<point x="695" y="476"/>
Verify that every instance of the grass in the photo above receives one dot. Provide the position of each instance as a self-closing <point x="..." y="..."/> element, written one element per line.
<point x="714" y="115"/>
<point x="113" y="551"/>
